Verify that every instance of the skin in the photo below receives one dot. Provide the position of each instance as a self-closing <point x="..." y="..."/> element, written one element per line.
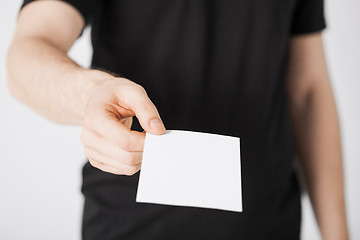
<point x="104" y="105"/>
<point x="316" y="128"/>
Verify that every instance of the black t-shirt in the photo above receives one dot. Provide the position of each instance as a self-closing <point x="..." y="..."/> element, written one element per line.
<point x="215" y="66"/>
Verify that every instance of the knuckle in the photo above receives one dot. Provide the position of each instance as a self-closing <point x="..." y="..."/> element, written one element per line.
<point x="118" y="169"/>
<point x="133" y="89"/>
<point x="124" y="143"/>
<point x="138" y="92"/>
<point x="105" y="169"/>
<point x="128" y="159"/>
<point x="115" y="171"/>
<point x="118" y="172"/>
<point x="93" y="163"/>
<point x="139" y="89"/>
<point x="131" y="171"/>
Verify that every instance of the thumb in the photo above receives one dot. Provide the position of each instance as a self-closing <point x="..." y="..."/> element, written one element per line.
<point x="145" y="111"/>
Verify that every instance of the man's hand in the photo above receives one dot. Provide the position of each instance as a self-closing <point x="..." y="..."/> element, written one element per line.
<point x="41" y="75"/>
<point x="109" y="142"/>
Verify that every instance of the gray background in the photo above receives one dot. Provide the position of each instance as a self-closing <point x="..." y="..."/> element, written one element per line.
<point x="40" y="162"/>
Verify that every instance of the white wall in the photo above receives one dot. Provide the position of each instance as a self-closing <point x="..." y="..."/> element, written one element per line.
<point x="40" y="162"/>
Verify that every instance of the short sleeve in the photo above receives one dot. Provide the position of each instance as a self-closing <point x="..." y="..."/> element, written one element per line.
<point x="308" y="17"/>
<point x="85" y="7"/>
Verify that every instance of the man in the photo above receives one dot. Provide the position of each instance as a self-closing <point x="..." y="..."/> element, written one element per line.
<point x="252" y="69"/>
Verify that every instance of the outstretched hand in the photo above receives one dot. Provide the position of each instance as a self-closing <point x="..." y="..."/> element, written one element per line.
<point x="108" y="140"/>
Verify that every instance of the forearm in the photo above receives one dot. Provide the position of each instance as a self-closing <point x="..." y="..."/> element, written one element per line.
<point x="318" y="139"/>
<point x="42" y="76"/>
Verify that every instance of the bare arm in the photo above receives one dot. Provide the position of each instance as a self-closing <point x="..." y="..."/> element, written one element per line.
<point x="41" y="75"/>
<point x="316" y="128"/>
<point x="39" y="71"/>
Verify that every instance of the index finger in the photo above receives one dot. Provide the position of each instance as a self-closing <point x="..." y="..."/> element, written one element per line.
<point x="104" y="123"/>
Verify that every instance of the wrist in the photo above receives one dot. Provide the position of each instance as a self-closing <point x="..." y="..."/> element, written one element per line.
<point x="87" y="80"/>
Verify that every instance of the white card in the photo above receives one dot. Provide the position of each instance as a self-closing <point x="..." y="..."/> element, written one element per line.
<point x="184" y="168"/>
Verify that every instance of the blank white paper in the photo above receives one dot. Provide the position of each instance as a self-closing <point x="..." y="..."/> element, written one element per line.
<point x="184" y="168"/>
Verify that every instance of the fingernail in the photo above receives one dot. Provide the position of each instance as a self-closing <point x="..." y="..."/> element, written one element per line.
<point x="156" y="124"/>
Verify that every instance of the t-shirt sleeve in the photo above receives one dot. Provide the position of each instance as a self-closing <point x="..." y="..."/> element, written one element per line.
<point x="85" y="7"/>
<point x="308" y="17"/>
